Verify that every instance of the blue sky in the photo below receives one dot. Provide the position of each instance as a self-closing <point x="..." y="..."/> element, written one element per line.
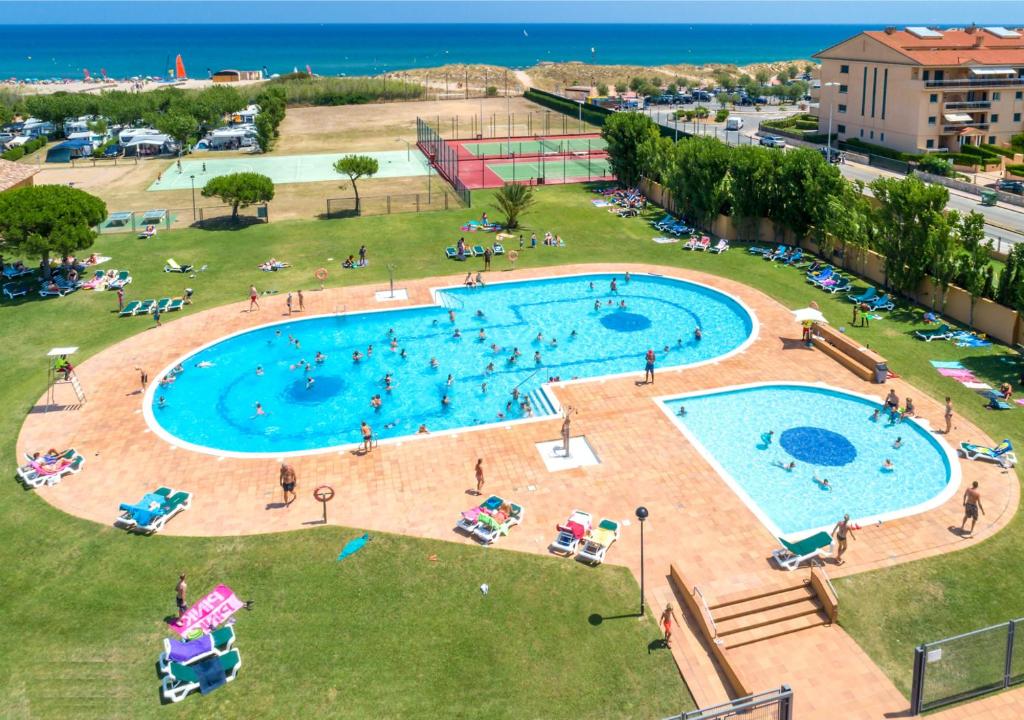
<point x="868" y="12"/>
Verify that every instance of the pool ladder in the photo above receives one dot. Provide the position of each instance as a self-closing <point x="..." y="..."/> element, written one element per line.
<point x="540" y="403"/>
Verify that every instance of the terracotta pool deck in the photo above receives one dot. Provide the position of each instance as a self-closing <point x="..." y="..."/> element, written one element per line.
<point x="419" y="486"/>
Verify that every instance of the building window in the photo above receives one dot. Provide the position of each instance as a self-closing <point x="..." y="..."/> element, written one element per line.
<point x="926" y="75"/>
<point x="991" y="139"/>
<point x="881" y="137"/>
<point x="871" y="134"/>
<point x="841" y="108"/>
<point x="934" y="98"/>
<point x="842" y="89"/>
<point x="862" y="132"/>
<point x="1016" y="117"/>
<point x="929" y="143"/>
<point x="1018" y="95"/>
<point x="996" y="96"/>
<point x="841" y="129"/>
<point x="931" y="119"/>
<point x="994" y="117"/>
<point x="940" y="74"/>
<point x="845" y="69"/>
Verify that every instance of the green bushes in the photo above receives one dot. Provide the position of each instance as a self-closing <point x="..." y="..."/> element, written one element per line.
<point x="721" y="115"/>
<point x="858" y="145"/>
<point x="301" y="89"/>
<point x="593" y="114"/>
<point x="1015" y="169"/>
<point x="16" y="153"/>
<point x="1001" y="151"/>
<point x="806" y="124"/>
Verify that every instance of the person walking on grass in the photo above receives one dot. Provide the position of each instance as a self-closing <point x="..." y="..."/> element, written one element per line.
<point x="666" y="624"/>
<point x="487" y="258"/>
<point x="156" y="314"/>
<point x="254" y="298"/>
<point x="479" y="476"/>
<point x="120" y="299"/>
<point x="839" y="532"/>
<point x="949" y="415"/>
<point x="180" y="591"/>
<point x="287" y="481"/>
<point x="972" y="504"/>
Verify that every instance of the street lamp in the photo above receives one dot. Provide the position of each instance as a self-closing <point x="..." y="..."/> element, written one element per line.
<point x="828" y="139"/>
<point x="192" y="178"/>
<point x="641" y="515"/>
<point x="408" y="148"/>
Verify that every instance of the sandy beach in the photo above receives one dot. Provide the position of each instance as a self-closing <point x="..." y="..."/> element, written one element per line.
<point x="97" y="86"/>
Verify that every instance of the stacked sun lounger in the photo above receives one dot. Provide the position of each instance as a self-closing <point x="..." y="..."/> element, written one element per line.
<point x="204" y="663"/>
<point x="152" y="512"/>
<point x="490" y="520"/>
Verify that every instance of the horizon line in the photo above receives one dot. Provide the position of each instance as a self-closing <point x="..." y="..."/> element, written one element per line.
<point x="880" y="23"/>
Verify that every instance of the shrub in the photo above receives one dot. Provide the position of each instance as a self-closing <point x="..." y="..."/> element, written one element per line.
<point x="1004" y="152"/>
<point x="492" y="91"/>
<point x="1015" y="169"/>
<point x="14" y="153"/>
<point x="721" y="115"/>
<point x="806" y="125"/>
<point x="935" y="164"/>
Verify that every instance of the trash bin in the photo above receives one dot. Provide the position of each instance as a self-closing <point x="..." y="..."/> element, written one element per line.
<point x="881" y="373"/>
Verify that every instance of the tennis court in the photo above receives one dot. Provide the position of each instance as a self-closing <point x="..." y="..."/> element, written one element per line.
<point x="557" y="170"/>
<point x="584" y="145"/>
<point x="284" y="169"/>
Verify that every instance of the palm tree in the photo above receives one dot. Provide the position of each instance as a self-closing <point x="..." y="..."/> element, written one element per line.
<point x="514" y="200"/>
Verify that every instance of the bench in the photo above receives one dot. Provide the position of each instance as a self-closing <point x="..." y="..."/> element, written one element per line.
<point x="861" y="361"/>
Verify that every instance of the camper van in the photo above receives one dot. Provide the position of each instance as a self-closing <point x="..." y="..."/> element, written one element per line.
<point x="734" y="123"/>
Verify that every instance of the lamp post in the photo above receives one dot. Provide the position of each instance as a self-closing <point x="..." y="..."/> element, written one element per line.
<point x="408" y="148"/>
<point x="641" y="515"/>
<point x="828" y="138"/>
<point x="192" y="178"/>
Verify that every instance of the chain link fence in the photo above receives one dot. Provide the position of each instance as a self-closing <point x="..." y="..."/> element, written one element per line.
<point x="390" y="204"/>
<point x="961" y="667"/>
<point x="146" y="223"/>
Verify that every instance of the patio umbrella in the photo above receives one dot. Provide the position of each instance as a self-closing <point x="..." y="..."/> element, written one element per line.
<point x="809" y="315"/>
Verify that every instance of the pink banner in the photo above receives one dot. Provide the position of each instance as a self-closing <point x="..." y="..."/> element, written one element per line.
<point x="209" y="612"/>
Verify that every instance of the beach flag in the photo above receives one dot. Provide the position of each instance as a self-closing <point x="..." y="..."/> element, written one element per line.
<point x="103" y="72"/>
<point x="179" y="68"/>
<point x="308" y="71"/>
<point x="86" y="71"/>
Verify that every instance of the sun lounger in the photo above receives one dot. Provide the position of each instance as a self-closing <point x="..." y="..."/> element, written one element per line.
<point x="996" y="402"/>
<point x="16" y="289"/>
<point x="469" y="519"/>
<point x="176" y="304"/>
<point x="794" y="257"/>
<point x="867" y="296"/>
<point x="172" y="266"/>
<point x="489" y="527"/>
<point x="720" y="247"/>
<point x="791" y="555"/>
<point x="147" y="232"/>
<point x="185" y="679"/>
<point x="600" y="539"/>
<point x="571" y="533"/>
<point x="821" y="277"/>
<point x="130" y="309"/>
<point x="838" y="285"/>
<point x="498" y="248"/>
<point x="34" y="475"/>
<point x="451" y="253"/>
<point x="478" y="250"/>
<point x="193" y="651"/>
<point x="882" y="302"/>
<point x="1001" y="453"/>
<point x="123" y="278"/>
<point x="153" y="511"/>
<point x="162" y="304"/>
<point x="703" y="243"/>
<point x="942" y="332"/>
<point x="691" y="244"/>
<point x="754" y="250"/>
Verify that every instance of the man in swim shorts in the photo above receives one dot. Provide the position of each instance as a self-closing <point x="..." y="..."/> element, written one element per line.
<point x="972" y="504"/>
<point x="649" y="367"/>
<point x="179" y="597"/>
<point x="367" y="432"/>
<point x="839" y="532"/>
<point x="288" y="481"/>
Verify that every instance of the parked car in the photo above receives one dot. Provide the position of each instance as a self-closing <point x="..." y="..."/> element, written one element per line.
<point x="774" y="141"/>
<point x="734" y="123"/>
<point x="1011" y="186"/>
<point x="701" y="96"/>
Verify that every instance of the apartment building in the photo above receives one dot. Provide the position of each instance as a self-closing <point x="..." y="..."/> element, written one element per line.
<point x="921" y="89"/>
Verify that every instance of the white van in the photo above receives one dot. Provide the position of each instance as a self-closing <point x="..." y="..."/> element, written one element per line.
<point x="734" y="123"/>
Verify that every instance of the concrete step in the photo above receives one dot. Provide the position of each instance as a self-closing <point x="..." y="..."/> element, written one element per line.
<point x="741" y="596"/>
<point x="767" y="617"/>
<point x="759" y="603"/>
<point x="766" y="632"/>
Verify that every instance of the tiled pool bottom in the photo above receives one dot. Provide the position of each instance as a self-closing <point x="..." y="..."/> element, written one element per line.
<point x="818" y="434"/>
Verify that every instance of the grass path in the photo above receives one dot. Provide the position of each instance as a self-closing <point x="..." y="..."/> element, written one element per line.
<point x="390" y="632"/>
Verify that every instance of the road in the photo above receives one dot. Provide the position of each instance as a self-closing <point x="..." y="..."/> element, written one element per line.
<point x="1003" y="223"/>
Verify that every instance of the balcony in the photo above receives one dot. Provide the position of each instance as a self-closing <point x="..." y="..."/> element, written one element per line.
<point x="953" y="129"/>
<point x="978" y="82"/>
<point x="968" y="105"/>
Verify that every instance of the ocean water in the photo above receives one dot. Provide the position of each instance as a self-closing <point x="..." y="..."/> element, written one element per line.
<point x="828" y="435"/>
<point x="63" y="51"/>
<point x="213" y="404"/>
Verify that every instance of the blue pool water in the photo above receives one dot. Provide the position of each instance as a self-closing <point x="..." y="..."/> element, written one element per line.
<point x="214" y="406"/>
<point x="828" y="434"/>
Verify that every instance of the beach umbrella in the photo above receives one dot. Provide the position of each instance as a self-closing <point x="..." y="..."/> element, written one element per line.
<point x="809" y="315"/>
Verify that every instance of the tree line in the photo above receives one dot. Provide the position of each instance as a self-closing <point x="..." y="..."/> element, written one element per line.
<point x="906" y="220"/>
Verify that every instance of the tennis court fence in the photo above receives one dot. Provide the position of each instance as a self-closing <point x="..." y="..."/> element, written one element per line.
<point x="964" y="666"/>
<point x="343" y="207"/>
<point x="443" y="156"/>
<point x="208" y="216"/>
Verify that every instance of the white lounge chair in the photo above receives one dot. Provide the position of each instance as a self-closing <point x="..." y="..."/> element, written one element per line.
<point x="791" y="555"/>
<point x="183" y="679"/>
<point x="489" y="528"/>
<point x="720" y="247"/>
<point x="153" y="511"/>
<point x="34" y="476"/>
<point x="1001" y="453"/>
<point x="597" y="543"/>
<point x="571" y="533"/>
<point x="190" y="652"/>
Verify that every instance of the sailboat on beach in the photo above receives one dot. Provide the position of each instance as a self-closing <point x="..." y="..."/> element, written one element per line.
<point x="179" y="68"/>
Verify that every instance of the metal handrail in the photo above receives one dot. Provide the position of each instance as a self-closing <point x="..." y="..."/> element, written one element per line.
<point x="707" y="610"/>
<point x="975" y="82"/>
<point x="967" y="104"/>
<point x="828" y="580"/>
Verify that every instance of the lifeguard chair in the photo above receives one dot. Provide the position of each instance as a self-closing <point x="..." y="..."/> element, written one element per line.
<point x="56" y="374"/>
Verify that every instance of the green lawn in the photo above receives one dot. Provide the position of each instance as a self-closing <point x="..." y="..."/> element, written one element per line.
<point x="389" y="632"/>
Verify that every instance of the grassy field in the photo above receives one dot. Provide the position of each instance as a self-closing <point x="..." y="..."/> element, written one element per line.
<point x="389" y="631"/>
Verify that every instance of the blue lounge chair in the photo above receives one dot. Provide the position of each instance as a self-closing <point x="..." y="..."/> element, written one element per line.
<point x="450" y="253"/>
<point x="1001" y="453"/>
<point x="498" y="248"/>
<point x="866" y="296"/>
<point x="841" y="284"/>
<point x="882" y="303"/>
<point x="998" y="403"/>
<point x="820" y="277"/>
<point x="478" y="250"/>
<point x="942" y="332"/>
<point x="755" y="250"/>
<point x="795" y="257"/>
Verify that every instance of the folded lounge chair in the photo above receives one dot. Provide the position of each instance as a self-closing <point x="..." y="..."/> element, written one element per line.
<point x="1001" y="453"/>
<point x="193" y="651"/>
<point x="571" y="533"/>
<point x="185" y="679"/>
<point x="599" y="540"/>
<point x="153" y="511"/>
<point x="942" y="332"/>
<point x="790" y="555"/>
<point x="172" y="266"/>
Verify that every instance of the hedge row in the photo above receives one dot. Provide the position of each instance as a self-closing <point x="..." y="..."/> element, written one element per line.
<point x="1015" y="169"/>
<point x="593" y="114"/>
<point x="1005" y="152"/>
<point x="16" y="153"/>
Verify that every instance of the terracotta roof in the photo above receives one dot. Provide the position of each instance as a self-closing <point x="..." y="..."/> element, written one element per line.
<point x="955" y="47"/>
<point x="12" y="173"/>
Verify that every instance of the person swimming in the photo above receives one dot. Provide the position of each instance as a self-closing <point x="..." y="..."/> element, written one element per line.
<point x="259" y="369"/>
<point x="309" y="382"/>
<point x="622" y="304"/>
<point x="434" y="363"/>
<point x="451" y="316"/>
<point x="450" y="381"/>
<point x="516" y="352"/>
<point x="479" y="313"/>
<point x="697" y="334"/>
<point x="573" y="334"/>
<point x="823" y="483"/>
<point x="445" y="401"/>
<point x="888" y="465"/>
<point x="369" y="350"/>
<point x="495" y="348"/>
<point x="259" y="410"/>
<point x="205" y="364"/>
<point x="554" y="342"/>
<point x="483" y="387"/>
<point x="489" y="368"/>
<point x="766" y="437"/>
<point x="875" y="414"/>
<point x="403" y="354"/>
<point x="320" y="357"/>
<point x="457" y="333"/>
<point x="540" y="337"/>
<point x="597" y="304"/>
<point x="536" y="357"/>
<point x="682" y="411"/>
<point x="376" y="402"/>
<point x="162" y="402"/>
<point x="788" y="468"/>
<point x="898" y="444"/>
<point x="481" y="336"/>
<point x="357" y="356"/>
<point x="394" y="344"/>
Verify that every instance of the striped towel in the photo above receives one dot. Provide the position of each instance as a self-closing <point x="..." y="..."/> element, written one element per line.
<point x="947" y="364"/>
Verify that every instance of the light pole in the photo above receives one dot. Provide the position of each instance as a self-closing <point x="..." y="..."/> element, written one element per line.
<point x="641" y="515"/>
<point x="192" y="178"/>
<point x="581" y="116"/>
<point x="828" y="138"/>
<point x="408" y="148"/>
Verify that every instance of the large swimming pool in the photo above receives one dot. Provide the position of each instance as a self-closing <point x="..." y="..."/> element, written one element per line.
<point x="564" y="328"/>
<point x="829" y="435"/>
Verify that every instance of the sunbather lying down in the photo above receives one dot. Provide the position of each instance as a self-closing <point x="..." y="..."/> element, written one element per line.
<point x="50" y="463"/>
<point x="273" y="264"/>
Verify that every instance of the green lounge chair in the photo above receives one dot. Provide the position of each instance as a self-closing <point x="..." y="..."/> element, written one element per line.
<point x="175" y="651"/>
<point x="183" y="679"/>
<point x="130" y="309"/>
<point x="478" y="250"/>
<point x="145" y="307"/>
<point x="123" y="278"/>
<point x="162" y="304"/>
<point x="790" y="555"/>
<point x="942" y="332"/>
<point x="450" y="252"/>
<point x="176" y="304"/>
<point x="175" y="502"/>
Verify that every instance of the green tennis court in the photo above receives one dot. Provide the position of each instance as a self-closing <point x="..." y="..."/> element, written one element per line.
<point x="537" y="147"/>
<point x="283" y="169"/>
<point x="555" y="169"/>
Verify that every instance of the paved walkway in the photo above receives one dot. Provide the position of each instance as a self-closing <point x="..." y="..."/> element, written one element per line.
<point x="418" y="486"/>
